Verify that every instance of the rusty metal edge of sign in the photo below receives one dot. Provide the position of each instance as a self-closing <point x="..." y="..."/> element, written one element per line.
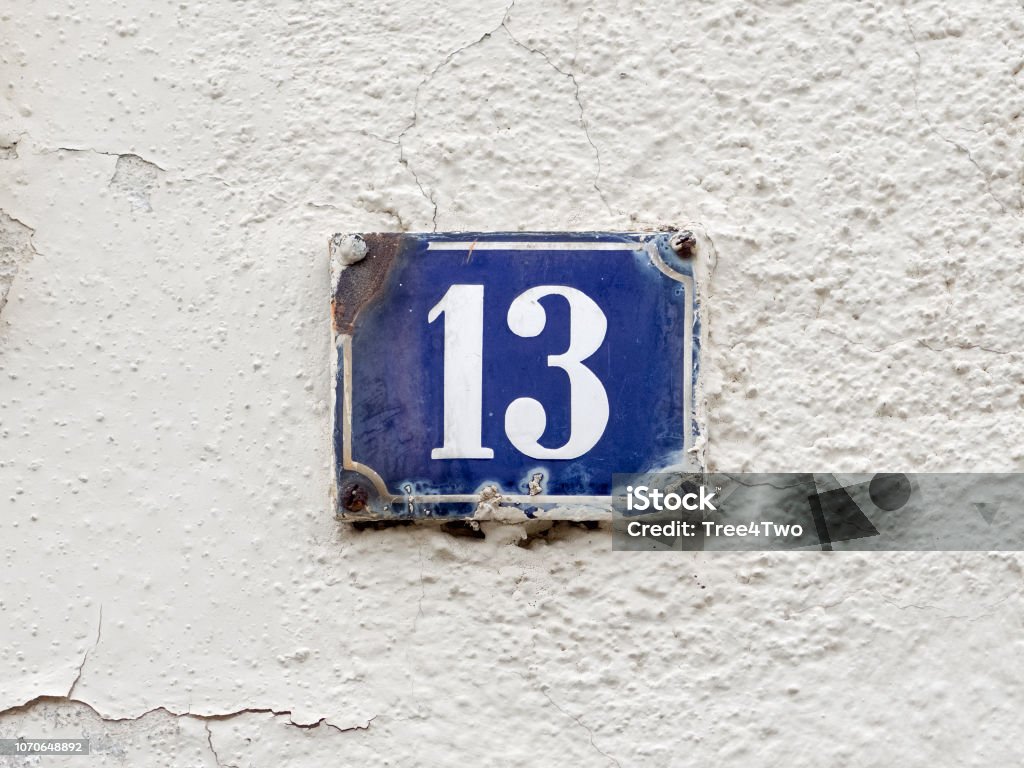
<point x="670" y="252"/>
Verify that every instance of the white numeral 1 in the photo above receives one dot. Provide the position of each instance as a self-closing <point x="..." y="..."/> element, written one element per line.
<point x="463" y="310"/>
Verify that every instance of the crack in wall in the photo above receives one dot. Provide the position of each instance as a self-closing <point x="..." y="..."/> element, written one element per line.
<point x="920" y="342"/>
<point x="205" y="718"/>
<point x="581" y="724"/>
<point x="904" y="340"/>
<point x="964" y="150"/>
<point x="387" y="210"/>
<point x="576" y="94"/>
<point x="213" y="750"/>
<point x="304" y="726"/>
<point x="102" y="152"/>
<point x="402" y="159"/>
<point x="989" y="610"/>
<point x="959" y="345"/>
<point x="134" y="176"/>
<point x="382" y="209"/>
<point x="85" y="658"/>
<point x="502" y="25"/>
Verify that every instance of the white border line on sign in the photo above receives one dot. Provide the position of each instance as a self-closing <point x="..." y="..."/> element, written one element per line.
<point x="528" y="245"/>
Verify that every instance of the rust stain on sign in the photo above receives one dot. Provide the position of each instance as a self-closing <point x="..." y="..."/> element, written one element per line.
<point x="359" y="283"/>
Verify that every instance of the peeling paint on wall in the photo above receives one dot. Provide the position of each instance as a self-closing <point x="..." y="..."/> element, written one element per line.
<point x="135" y="178"/>
<point x="16" y="251"/>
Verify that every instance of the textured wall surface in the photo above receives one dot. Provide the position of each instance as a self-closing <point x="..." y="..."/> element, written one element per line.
<point x="173" y="583"/>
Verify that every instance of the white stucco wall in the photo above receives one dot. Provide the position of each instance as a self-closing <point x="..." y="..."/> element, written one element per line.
<point x="174" y="584"/>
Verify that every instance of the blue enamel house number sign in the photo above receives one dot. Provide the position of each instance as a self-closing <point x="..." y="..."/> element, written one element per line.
<point x="509" y="375"/>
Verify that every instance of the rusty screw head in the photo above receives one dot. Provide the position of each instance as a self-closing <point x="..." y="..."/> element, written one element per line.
<point x="354" y="497"/>
<point x="683" y="243"/>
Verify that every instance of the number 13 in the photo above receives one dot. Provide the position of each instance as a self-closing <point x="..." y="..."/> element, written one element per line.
<point x="525" y="418"/>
